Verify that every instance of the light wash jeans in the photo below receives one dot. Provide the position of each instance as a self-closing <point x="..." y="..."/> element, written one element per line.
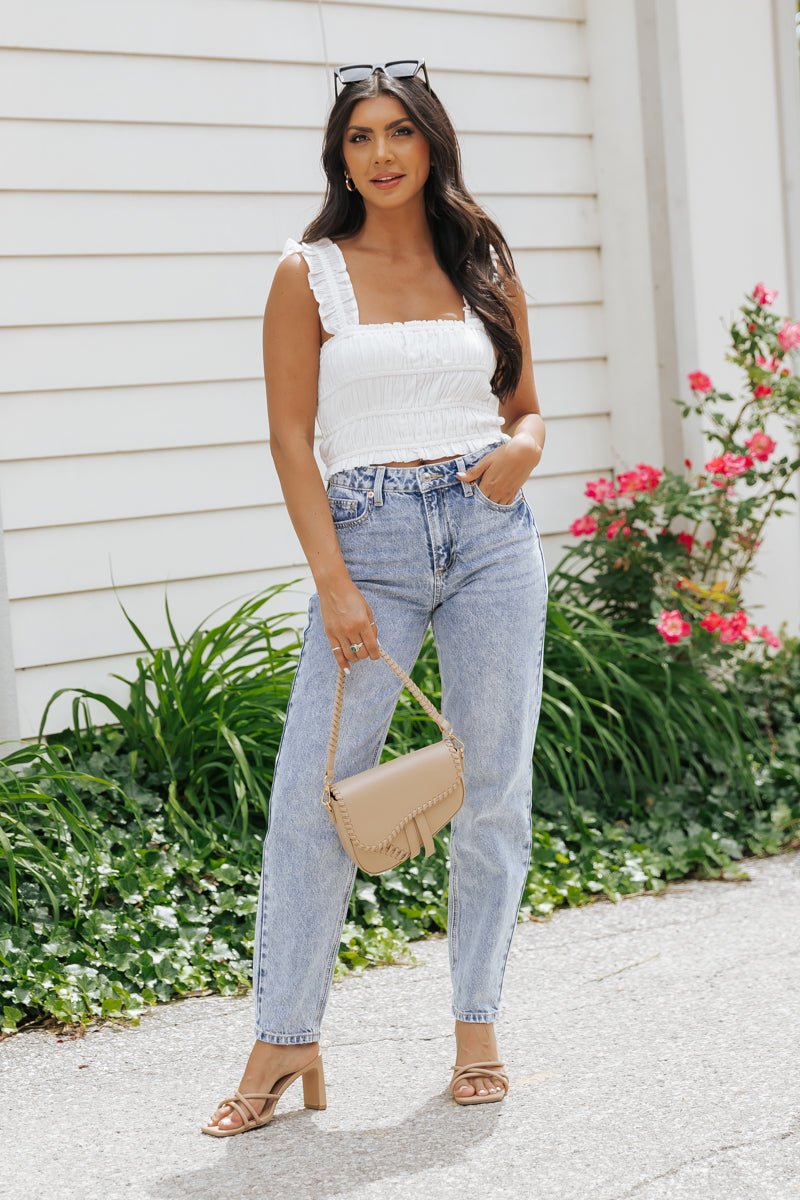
<point x="424" y="548"/>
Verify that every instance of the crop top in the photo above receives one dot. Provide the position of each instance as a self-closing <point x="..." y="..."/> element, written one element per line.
<point x="396" y="390"/>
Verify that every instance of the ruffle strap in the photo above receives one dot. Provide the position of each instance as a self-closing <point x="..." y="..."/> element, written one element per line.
<point x="329" y="281"/>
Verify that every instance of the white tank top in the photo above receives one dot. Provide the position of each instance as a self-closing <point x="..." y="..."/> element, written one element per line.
<point x="396" y="390"/>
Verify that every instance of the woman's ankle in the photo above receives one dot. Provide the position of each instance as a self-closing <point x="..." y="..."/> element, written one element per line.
<point x="476" y="1033"/>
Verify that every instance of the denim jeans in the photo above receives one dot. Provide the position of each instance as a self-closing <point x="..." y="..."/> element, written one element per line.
<point x="424" y="548"/>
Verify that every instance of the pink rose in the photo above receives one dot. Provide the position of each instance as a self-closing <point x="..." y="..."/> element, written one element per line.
<point x="672" y="626"/>
<point x="763" y="295"/>
<point x="730" y="465"/>
<point x="732" y="628"/>
<point x="760" y="445"/>
<point x="644" y="479"/>
<point x="699" y="382"/>
<point x="583" y="525"/>
<point x="686" y="539"/>
<point x="789" y="334"/>
<point x="599" y="489"/>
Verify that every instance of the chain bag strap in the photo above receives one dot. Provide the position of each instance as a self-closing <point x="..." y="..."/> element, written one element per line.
<point x="389" y="812"/>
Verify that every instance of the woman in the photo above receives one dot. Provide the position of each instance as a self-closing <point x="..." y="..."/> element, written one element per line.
<point x="400" y="325"/>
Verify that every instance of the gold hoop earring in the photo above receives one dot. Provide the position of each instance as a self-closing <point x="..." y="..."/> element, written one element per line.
<point x="347" y="182"/>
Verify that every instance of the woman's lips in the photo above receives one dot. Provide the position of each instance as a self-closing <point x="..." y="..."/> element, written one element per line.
<point x="386" y="186"/>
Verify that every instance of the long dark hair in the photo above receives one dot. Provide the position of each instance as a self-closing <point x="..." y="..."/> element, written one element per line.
<point x="464" y="236"/>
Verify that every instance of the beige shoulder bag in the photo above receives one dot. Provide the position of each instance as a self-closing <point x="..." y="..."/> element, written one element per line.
<point x="385" y="814"/>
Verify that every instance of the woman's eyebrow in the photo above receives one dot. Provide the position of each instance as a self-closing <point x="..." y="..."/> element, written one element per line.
<point x="388" y="125"/>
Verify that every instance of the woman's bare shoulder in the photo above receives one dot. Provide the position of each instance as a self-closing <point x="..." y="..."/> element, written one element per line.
<point x="291" y="308"/>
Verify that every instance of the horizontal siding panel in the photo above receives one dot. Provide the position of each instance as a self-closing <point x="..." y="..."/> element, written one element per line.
<point x="43" y="424"/>
<point x="557" y="10"/>
<point x="54" y="223"/>
<point x="571" y="389"/>
<point x="36" y="685"/>
<point x="49" y="557"/>
<point x="239" y="29"/>
<point x="182" y="28"/>
<point x="216" y="93"/>
<point x="64" y="491"/>
<point x="53" y="630"/>
<point x="144" y="88"/>
<point x="544" y="222"/>
<point x="150" y="550"/>
<point x="106" y="356"/>
<point x="41" y="291"/>
<point x="148" y="158"/>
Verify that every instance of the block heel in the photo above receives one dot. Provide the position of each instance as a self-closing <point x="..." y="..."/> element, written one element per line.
<point x="314" y="1085"/>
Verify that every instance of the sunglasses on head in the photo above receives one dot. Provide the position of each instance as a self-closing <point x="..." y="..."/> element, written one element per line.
<point x="399" y="69"/>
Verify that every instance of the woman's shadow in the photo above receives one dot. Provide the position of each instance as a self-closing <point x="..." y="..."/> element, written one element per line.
<point x="309" y="1155"/>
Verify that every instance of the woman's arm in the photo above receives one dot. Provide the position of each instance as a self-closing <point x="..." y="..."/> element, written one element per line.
<point x="291" y="342"/>
<point x="502" y="472"/>
<point x="521" y="413"/>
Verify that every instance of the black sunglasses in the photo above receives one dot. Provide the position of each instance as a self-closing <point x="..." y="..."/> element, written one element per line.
<point x="399" y="69"/>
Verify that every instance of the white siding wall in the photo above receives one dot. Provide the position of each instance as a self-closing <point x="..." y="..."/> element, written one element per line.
<point x="155" y="158"/>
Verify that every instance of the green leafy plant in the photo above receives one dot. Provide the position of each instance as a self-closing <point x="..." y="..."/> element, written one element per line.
<point x="204" y="716"/>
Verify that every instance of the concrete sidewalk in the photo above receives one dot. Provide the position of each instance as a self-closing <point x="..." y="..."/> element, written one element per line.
<point x="652" y="1048"/>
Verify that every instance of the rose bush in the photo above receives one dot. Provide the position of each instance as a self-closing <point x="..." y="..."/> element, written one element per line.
<point x="668" y="550"/>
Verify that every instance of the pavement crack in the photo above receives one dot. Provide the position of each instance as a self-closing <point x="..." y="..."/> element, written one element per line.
<point x="748" y="962"/>
<point x="627" y="967"/>
<point x="707" y="1157"/>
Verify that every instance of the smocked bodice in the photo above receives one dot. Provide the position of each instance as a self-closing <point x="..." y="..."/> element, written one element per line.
<point x="395" y="390"/>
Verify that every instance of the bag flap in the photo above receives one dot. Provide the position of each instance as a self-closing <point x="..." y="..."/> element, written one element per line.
<point x="378" y="802"/>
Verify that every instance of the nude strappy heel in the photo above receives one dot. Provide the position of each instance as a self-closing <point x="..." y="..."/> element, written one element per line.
<point x="473" y="1070"/>
<point x="313" y="1097"/>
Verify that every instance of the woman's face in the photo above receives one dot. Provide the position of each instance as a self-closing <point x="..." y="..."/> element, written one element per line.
<point x="380" y="140"/>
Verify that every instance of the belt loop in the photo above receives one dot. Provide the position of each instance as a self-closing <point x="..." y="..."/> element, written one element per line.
<point x="466" y="486"/>
<point x="377" y="485"/>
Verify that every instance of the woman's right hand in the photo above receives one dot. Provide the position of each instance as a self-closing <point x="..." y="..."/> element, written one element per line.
<point x="348" y="619"/>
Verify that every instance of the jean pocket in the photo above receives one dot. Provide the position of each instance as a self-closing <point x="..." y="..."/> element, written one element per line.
<point x="484" y="499"/>
<point x="349" y="506"/>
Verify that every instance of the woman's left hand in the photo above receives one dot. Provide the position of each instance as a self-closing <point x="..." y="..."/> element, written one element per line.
<point x="505" y="468"/>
